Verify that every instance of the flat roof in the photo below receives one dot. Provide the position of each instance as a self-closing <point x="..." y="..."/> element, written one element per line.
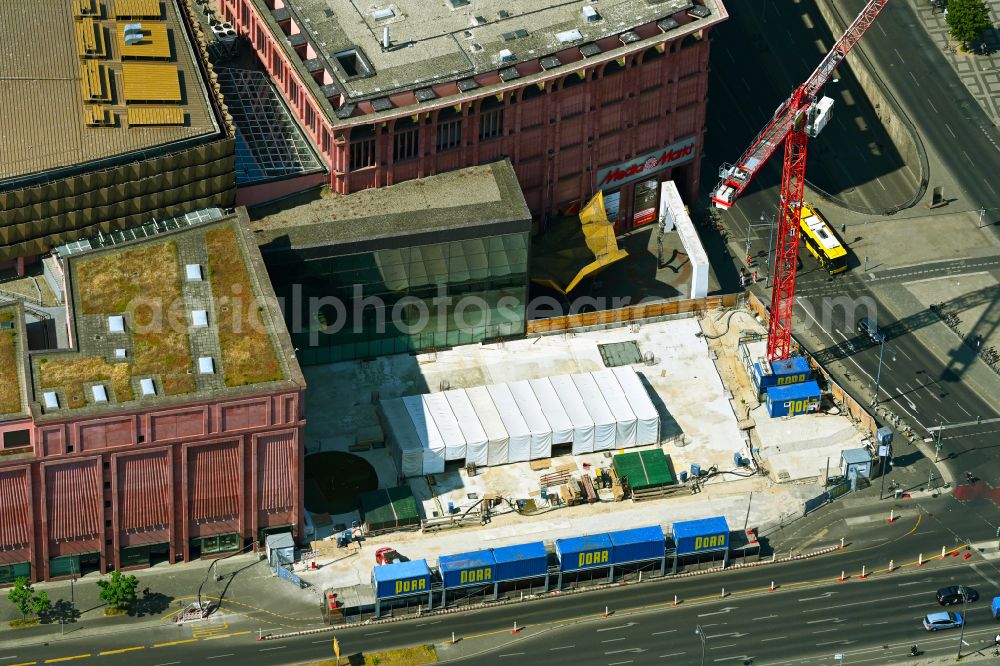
<point x="465" y="199"/>
<point x="54" y="57"/>
<point x="401" y="570"/>
<point x="700" y="527"/>
<point x="134" y="295"/>
<point x="456" y="40"/>
<point x="13" y="350"/>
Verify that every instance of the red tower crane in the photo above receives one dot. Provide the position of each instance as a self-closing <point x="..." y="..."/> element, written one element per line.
<point x="798" y="118"/>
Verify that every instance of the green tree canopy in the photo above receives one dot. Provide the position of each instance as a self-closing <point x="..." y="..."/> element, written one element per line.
<point x="118" y="590"/>
<point x="967" y="20"/>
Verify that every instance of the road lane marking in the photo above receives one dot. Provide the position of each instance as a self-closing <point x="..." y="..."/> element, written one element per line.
<point x="825" y="595"/>
<point x="621" y="626"/>
<point x="186" y="640"/>
<point x="912" y="76"/>
<point x="720" y="647"/>
<point x="826" y="631"/>
<point x="511" y="654"/>
<point x="668" y="631"/>
<point x="220" y="656"/>
<point x="932" y="105"/>
<point x="967" y="157"/>
<point x="776" y="638"/>
<point x="563" y="647"/>
<point x="619" y="663"/>
<point x="902" y="596"/>
<point x="948" y="127"/>
<point x="76" y="656"/>
<point x="32" y="663"/>
<point x="376" y="633"/>
<point x="129" y="649"/>
<point x="764" y="617"/>
<point x="612" y="640"/>
<point x="826" y="619"/>
<point x="662" y="656"/>
<point x="168" y="663"/>
<point x="235" y="633"/>
<point x="278" y="647"/>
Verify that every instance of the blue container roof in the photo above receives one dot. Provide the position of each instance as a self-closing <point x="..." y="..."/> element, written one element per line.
<point x="790" y="366"/>
<point x="855" y="456"/>
<point x="520" y="552"/>
<point x="638" y="535"/>
<point x="700" y="527"/>
<point x="793" y="391"/>
<point x="462" y="561"/>
<point x="401" y="570"/>
<point x="584" y="543"/>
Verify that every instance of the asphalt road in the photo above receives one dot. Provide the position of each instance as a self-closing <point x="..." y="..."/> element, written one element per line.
<point x="923" y="390"/>
<point x="925" y="526"/>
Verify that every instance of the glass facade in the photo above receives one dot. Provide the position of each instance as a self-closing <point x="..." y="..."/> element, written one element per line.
<point x="11" y="572"/>
<point x="411" y="299"/>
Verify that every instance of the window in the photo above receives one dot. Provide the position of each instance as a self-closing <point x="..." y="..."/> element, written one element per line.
<point x="14" y="439"/>
<point x="10" y="572"/>
<point x="405" y="141"/>
<point x="216" y="544"/>
<point x="490" y="122"/>
<point x="362" y="149"/>
<point x="449" y="130"/>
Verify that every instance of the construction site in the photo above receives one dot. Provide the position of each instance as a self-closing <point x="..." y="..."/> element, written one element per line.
<point x="718" y="451"/>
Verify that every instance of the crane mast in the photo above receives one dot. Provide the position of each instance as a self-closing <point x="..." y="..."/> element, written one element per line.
<point x="796" y="120"/>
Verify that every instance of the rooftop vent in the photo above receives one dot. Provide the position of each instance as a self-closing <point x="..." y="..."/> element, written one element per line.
<point x="475" y="48"/>
<point x="456" y="4"/>
<point x="133" y="33"/>
<point x="569" y="36"/>
<point x="100" y="393"/>
<point x="503" y="13"/>
<point x="193" y="272"/>
<point x="590" y="14"/>
<point x="383" y="14"/>
<point x="699" y="11"/>
<point x="147" y="386"/>
<point x="199" y="318"/>
<point x="120" y="353"/>
<point x="507" y="56"/>
<point x="116" y="324"/>
<point x="51" y="400"/>
<point x="206" y="366"/>
<point x="477" y="21"/>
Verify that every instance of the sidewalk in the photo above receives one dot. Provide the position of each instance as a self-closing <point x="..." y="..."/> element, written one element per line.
<point x="247" y="592"/>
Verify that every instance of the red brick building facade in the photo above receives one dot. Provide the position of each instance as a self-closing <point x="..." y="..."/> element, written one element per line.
<point x="161" y="478"/>
<point x="562" y="116"/>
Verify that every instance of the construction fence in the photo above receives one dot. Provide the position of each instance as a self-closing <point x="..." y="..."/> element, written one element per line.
<point x="629" y="315"/>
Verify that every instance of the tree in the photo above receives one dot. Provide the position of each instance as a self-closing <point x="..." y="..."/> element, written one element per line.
<point x="119" y="590"/>
<point x="967" y="20"/>
<point x="40" y="604"/>
<point x="21" y="596"/>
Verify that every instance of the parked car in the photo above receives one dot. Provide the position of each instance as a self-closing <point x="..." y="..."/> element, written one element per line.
<point x="871" y="329"/>
<point x="943" y="620"/>
<point x="387" y="556"/>
<point x="948" y="596"/>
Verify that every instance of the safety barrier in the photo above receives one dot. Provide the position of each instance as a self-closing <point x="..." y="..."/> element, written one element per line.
<point x="628" y="315"/>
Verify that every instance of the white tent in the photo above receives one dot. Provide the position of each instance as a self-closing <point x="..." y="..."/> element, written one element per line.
<point x="427" y="432"/>
<point x="648" y="426"/>
<point x="447" y="425"/>
<point x="618" y="404"/>
<point x="552" y="408"/>
<point x="403" y="438"/>
<point x="531" y="410"/>
<point x="513" y="423"/>
<point x="475" y="437"/>
<point x="605" y="424"/>
<point x="583" y="425"/>
<point x="498" y="447"/>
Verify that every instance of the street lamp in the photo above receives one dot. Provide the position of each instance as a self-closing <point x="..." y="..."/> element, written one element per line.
<point x="878" y="375"/>
<point x="701" y="634"/>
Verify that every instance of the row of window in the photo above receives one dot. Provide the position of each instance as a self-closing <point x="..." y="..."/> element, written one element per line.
<point x="406" y="139"/>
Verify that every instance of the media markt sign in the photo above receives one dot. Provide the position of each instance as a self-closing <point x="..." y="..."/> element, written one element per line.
<point x="679" y="153"/>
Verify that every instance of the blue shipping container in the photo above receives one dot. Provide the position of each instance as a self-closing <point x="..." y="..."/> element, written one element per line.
<point x="783" y="372"/>
<point x="792" y="400"/>
<point x="586" y="552"/>
<point x="636" y="545"/>
<point x="476" y="568"/>
<point x="401" y="579"/>
<point x="526" y="560"/>
<point x="702" y="535"/>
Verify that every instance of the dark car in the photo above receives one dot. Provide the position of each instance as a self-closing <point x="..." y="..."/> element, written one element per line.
<point x="948" y="596"/>
<point x="871" y="329"/>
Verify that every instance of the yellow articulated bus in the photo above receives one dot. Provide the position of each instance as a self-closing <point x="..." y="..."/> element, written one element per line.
<point x="821" y="242"/>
